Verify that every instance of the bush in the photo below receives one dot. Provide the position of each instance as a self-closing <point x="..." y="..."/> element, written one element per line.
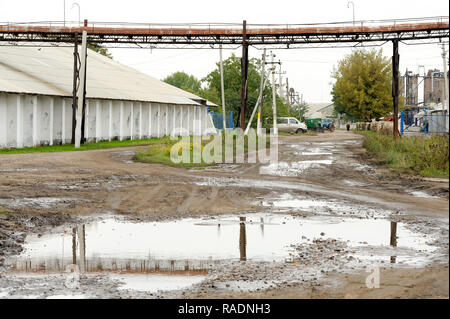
<point x="423" y="155"/>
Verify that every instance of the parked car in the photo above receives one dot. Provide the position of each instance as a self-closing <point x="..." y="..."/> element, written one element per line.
<point x="291" y="125"/>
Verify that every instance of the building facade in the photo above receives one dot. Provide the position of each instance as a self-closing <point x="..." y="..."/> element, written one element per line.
<point x="121" y="103"/>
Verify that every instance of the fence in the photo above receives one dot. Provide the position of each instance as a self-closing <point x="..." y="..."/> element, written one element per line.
<point x="218" y="120"/>
<point x="436" y="123"/>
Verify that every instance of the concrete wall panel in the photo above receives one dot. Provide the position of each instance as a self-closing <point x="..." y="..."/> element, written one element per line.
<point x="27" y="120"/>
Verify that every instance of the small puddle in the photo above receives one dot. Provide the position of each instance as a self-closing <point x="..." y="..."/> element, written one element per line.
<point x="153" y="256"/>
<point x="38" y="202"/>
<point x="422" y="194"/>
<point x="293" y="168"/>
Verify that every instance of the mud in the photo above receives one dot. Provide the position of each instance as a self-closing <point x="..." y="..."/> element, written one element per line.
<point x="322" y="183"/>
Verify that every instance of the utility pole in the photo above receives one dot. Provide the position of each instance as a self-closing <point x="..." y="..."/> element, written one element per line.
<point x="274" y="99"/>
<point x="444" y="58"/>
<point x="280" y="80"/>
<point x="81" y="88"/>
<point x="244" y="69"/>
<point x="395" y="70"/>
<point x="258" y="121"/>
<point x="287" y="95"/>
<point x="224" y="114"/>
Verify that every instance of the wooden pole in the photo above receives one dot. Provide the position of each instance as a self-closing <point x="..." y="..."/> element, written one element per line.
<point x="224" y="117"/>
<point x="75" y="79"/>
<point x="244" y="69"/>
<point x="395" y="90"/>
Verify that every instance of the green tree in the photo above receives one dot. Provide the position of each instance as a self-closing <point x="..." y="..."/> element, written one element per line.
<point x="100" y="49"/>
<point x="363" y="87"/>
<point x="184" y="81"/>
<point x="232" y="85"/>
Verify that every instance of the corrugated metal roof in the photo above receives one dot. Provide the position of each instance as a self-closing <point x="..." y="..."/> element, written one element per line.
<point x="316" y="110"/>
<point x="49" y="71"/>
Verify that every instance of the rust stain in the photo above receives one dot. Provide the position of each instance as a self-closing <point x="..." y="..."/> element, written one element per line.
<point x="92" y="30"/>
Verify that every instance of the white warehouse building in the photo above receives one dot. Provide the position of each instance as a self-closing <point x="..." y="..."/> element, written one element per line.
<point x="121" y="103"/>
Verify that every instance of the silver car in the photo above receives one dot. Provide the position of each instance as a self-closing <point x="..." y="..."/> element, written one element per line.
<point x="291" y="125"/>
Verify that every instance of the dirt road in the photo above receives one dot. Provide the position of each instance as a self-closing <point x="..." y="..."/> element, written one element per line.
<point x="325" y="176"/>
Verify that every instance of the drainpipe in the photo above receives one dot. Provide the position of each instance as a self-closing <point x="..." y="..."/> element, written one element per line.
<point x="402" y="120"/>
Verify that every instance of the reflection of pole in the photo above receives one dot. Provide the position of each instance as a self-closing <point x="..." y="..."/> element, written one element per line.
<point x="262" y="226"/>
<point x="74" y="246"/>
<point x="82" y="245"/>
<point x="242" y="240"/>
<point x="393" y="241"/>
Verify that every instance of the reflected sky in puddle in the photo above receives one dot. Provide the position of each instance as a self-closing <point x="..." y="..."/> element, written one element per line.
<point x="154" y="256"/>
<point x="293" y="168"/>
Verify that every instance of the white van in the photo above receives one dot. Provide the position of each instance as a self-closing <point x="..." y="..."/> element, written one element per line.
<point x="291" y="125"/>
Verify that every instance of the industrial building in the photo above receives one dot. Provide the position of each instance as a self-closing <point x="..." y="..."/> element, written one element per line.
<point x="36" y="88"/>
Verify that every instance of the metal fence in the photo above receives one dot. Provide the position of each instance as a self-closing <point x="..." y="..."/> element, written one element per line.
<point x="436" y="123"/>
<point x="218" y="120"/>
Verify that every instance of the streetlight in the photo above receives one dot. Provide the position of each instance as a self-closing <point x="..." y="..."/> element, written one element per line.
<point x="76" y="4"/>
<point x="353" y="7"/>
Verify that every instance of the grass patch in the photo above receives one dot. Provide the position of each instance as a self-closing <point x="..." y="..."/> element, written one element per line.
<point x="4" y="212"/>
<point x="308" y="133"/>
<point x="417" y="155"/>
<point x="83" y="147"/>
<point x="160" y="152"/>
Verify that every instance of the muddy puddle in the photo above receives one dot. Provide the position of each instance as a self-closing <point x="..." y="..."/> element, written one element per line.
<point x="310" y="156"/>
<point x="173" y="255"/>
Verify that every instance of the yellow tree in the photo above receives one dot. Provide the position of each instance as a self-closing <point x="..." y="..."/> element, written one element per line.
<point x="363" y="87"/>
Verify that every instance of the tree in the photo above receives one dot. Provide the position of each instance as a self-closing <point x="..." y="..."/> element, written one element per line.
<point x="232" y="85"/>
<point x="184" y="81"/>
<point x="363" y="87"/>
<point x="99" y="49"/>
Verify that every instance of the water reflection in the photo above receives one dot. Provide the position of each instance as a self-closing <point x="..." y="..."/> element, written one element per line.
<point x="199" y="245"/>
<point x="242" y="240"/>
<point x="393" y="241"/>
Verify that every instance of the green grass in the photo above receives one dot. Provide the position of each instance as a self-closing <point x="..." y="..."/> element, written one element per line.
<point x="4" y="212"/>
<point x="308" y="133"/>
<point x="159" y="152"/>
<point x="416" y="155"/>
<point x="83" y="147"/>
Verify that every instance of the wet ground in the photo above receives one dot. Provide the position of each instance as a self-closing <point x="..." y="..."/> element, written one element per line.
<point x="301" y="228"/>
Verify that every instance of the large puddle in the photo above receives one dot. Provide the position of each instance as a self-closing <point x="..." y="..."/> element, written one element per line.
<point x="152" y="256"/>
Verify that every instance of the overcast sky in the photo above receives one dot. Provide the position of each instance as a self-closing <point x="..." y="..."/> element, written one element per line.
<point x="308" y="70"/>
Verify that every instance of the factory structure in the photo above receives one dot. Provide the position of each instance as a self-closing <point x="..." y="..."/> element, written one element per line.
<point x="36" y="97"/>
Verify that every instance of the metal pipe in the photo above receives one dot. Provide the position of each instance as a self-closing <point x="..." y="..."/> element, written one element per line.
<point x="223" y="91"/>
<point x="79" y="15"/>
<point x="274" y="99"/>
<point x="353" y="7"/>
<point x="444" y="58"/>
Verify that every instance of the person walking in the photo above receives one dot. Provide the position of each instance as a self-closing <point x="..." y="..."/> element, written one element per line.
<point x="348" y="127"/>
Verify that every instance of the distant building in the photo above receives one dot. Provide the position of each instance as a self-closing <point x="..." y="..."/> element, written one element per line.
<point x="409" y="88"/>
<point x="434" y="86"/>
<point x="319" y="110"/>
